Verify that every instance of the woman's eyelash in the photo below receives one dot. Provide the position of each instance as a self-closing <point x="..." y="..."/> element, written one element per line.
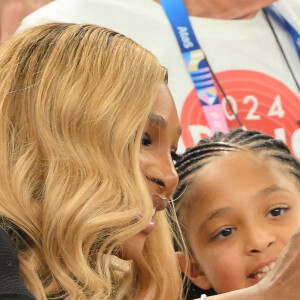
<point x="146" y="141"/>
<point x="174" y="155"/>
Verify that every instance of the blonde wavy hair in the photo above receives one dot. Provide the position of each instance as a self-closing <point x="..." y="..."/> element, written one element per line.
<point x="74" y="103"/>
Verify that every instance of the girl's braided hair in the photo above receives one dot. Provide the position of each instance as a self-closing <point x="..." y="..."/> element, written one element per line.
<point x="206" y="151"/>
<point x="220" y="144"/>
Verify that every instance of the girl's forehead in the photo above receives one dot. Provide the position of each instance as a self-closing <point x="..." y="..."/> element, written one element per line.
<point x="234" y="176"/>
<point x="235" y="181"/>
<point x="237" y="171"/>
<point x="238" y="160"/>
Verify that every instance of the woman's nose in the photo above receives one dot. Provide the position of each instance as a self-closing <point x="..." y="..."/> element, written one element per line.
<point x="164" y="176"/>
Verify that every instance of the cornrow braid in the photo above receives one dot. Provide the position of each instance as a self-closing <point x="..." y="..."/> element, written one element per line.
<point x="220" y="144"/>
<point x="210" y="149"/>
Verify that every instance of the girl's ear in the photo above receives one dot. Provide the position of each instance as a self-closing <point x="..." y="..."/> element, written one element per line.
<point x="193" y="271"/>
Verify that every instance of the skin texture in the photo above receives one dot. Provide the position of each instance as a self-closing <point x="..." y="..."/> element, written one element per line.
<point x="160" y="139"/>
<point x="225" y="9"/>
<point x="12" y="12"/>
<point x="239" y="219"/>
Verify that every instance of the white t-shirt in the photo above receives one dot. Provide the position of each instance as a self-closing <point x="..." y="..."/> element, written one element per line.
<point x="243" y="54"/>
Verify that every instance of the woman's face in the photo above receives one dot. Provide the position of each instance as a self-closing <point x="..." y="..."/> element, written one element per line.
<point x="159" y="141"/>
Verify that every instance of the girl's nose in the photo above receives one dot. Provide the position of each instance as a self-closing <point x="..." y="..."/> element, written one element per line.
<point x="258" y="239"/>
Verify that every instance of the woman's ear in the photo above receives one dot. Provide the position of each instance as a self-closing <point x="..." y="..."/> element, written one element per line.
<point x="193" y="271"/>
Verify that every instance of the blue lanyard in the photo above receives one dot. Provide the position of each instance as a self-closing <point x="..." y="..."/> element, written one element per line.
<point x="287" y="26"/>
<point x="196" y="64"/>
<point x="179" y="18"/>
<point x="181" y="25"/>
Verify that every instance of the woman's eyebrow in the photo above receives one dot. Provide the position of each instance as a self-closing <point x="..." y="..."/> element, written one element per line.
<point x="159" y="121"/>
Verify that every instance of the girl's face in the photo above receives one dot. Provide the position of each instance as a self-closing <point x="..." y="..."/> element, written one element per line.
<point x="159" y="142"/>
<point x="242" y="210"/>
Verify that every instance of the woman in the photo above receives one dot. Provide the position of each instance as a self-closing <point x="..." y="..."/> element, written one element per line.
<point x="87" y="132"/>
<point x="75" y="101"/>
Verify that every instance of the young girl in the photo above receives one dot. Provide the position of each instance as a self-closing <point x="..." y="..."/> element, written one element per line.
<point x="238" y="203"/>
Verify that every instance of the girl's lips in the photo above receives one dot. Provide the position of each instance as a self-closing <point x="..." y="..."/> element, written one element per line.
<point x="261" y="271"/>
<point x="254" y="280"/>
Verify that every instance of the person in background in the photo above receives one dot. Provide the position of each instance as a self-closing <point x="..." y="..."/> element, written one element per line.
<point x="253" y="58"/>
<point x="12" y="13"/>
<point x="238" y="204"/>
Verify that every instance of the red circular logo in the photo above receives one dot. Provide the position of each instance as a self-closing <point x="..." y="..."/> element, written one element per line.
<point x="260" y="101"/>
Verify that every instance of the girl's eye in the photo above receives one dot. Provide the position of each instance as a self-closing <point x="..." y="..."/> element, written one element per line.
<point x="278" y="211"/>
<point x="224" y="233"/>
<point x="146" y="141"/>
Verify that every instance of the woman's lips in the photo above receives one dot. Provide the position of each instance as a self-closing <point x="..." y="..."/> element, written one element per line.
<point x="160" y="202"/>
<point x="151" y="224"/>
<point x="149" y="228"/>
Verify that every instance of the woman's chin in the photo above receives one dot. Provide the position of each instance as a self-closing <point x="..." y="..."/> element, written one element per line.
<point x="133" y="247"/>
